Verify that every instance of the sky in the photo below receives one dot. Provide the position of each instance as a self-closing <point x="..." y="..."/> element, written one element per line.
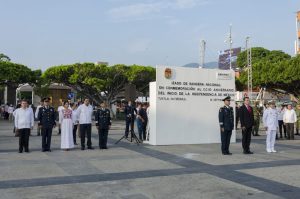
<point x="40" y="33"/>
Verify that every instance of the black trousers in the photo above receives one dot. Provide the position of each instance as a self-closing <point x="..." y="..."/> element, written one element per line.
<point x="6" y="115"/>
<point x="24" y="139"/>
<point x="281" y="125"/>
<point x="290" y="130"/>
<point x="74" y="133"/>
<point x="129" y="123"/>
<point x="144" y="129"/>
<point x="103" y="133"/>
<point x="85" y="131"/>
<point x="225" y="140"/>
<point x="246" y="139"/>
<point x="46" y="138"/>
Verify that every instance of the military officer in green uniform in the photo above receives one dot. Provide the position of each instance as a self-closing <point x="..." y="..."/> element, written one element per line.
<point x="298" y="119"/>
<point x="257" y="112"/>
<point x="103" y="123"/>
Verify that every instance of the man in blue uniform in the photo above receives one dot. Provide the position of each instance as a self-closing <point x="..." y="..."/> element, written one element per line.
<point x="226" y="125"/>
<point x="103" y="123"/>
<point x="130" y="112"/>
<point x="47" y="122"/>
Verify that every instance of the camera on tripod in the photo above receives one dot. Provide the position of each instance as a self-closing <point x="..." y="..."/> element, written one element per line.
<point x="130" y="112"/>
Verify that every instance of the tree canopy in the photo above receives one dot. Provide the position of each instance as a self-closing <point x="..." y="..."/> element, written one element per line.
<point x="14" y="74"/>
<point x="100" y="82"/>
<point x="274" y="70"/>
<point x="4" y="57"/>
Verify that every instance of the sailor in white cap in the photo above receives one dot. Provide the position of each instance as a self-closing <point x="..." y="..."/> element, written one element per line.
<point x="270" y="120"/>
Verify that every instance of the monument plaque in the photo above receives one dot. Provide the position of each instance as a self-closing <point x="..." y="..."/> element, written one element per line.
<point x="184" y="104"/>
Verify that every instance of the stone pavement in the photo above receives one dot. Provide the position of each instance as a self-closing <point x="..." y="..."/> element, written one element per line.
<point x="128" y="171"/>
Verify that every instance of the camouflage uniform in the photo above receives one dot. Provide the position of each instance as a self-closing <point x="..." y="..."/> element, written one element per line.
<point x="257" y="114"/>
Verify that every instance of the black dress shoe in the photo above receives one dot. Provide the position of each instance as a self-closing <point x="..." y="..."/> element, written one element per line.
<point x="90" y="148"/>
<point x="49" y="150"/>
<point x="228" y="153"/>
<point x="20" y="151"/>
<point x="82" y="148"/>
<point x="27" y="151"/>
<point x="249" y="152"/>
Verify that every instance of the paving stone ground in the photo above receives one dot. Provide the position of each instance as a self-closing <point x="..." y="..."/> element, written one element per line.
<point x="128" y="171"/>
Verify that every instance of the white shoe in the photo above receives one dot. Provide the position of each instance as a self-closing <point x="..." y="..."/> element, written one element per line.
<point x="273" y="151"/>
<point x="269" y="151"/>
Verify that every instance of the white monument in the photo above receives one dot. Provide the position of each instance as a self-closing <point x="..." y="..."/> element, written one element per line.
<point x="185" y="102"/>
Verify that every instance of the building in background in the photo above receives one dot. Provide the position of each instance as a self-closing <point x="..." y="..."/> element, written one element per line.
<point x="297" y="42"/>
<point x="57" y="93"/>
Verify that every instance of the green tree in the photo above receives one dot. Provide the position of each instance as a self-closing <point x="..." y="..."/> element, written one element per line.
<point x="141" y="76"/>
<point x="274" y="70"/>
<point x="99" y="82"/>
<point x="4" y="57"/>
<point x="41" y="87"/>
<point x="13" y="74"/>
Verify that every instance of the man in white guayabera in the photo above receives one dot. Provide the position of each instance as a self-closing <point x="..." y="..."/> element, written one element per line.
<point x="84" y="113"/>
<point x="24" y="121"/>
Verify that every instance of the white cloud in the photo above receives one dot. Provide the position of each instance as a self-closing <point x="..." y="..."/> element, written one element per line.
<point x="135" y="10"/>
<point x="141" y="11"/>
<point x="182" y="4"/>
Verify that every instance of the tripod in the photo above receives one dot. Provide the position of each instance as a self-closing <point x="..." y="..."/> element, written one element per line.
<point x="132" y="138"/>
<point x="132" y="135"/>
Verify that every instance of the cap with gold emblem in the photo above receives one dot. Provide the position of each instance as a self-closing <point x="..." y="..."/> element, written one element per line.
<point x="227" y="98"/>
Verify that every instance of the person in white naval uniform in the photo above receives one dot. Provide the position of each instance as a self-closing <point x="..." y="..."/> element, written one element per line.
<point x="270" y="120"/>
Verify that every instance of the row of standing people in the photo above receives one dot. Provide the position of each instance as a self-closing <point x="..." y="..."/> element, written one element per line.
<point x="6" y="111"/>
<point x="283" y="133"/>
<point x="69" y="120"/>
<point x="271" y="116"/>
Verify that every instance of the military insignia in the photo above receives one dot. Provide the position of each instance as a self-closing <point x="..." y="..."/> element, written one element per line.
<point x="168" y="73"/>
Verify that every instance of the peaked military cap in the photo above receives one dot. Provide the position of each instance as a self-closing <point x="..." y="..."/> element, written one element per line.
<point x="46" y="99"/>
<point x="271" y="102"/>
<point x="288" y="103"/>
<point x="227" y="98"/>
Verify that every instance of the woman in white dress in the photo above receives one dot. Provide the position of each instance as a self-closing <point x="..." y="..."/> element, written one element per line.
<point x="66" y="123"/>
